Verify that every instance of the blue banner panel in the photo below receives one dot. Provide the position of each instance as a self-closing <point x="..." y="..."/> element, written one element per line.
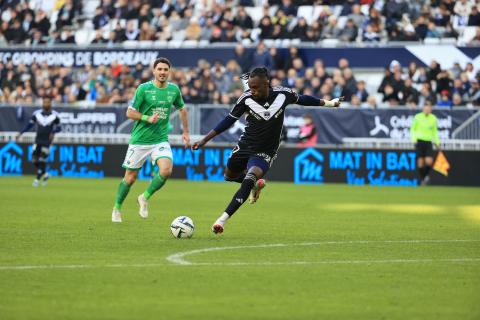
<point x="301" y="166"/>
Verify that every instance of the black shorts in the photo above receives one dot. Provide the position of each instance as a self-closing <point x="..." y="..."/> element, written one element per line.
<point x="424" y="149"/>
<point x="243" y="158"/>
<point x="40" y="153"/>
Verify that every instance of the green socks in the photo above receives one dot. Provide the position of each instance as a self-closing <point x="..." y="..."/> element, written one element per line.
<point x="123" y="189"/>
<point x="157" y="182"/>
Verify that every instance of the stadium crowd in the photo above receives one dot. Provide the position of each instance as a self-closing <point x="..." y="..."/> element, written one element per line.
<point x="220" y="83"/>
<point x="241" y="22"/>
<point x="114" y="22"/>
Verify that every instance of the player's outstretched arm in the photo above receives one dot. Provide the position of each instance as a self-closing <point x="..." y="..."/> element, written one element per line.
<point x="137" y="116"/>
<point x="222" y="126"/>
<point x="29" y="125"/>
<point x="185" y="135"/>
<point x="306" y="100"/>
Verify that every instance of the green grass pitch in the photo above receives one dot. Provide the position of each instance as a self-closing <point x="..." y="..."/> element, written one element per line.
<point x="301" y="252"/>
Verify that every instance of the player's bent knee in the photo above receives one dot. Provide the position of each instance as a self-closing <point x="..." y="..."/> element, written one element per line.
<point x="166" y="173"/>
<point x="130" y="177"/>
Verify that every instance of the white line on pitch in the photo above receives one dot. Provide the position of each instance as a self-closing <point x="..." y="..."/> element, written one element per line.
<point x="154" y="265"/>
<point x="179" y="257"/>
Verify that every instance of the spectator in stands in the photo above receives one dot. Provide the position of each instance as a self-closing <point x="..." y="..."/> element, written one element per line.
<point x="369" y="35"/>
<point x="193" y="31"/>
<point x="444" y="99"/>
<point x="277" y="59"/>
<point x="331" y="30"/>
<point x="462" y="9"/>
<point x="360" y="91"/>
<point x="299" y="31"/>
<point x="242" y="19"/>
<point x="15" y="34"/>
<point x="66" y="14"/>
<point x="289" y="8"/>
<point x="421" y="27"/>
<point x="357" y="16"/>
<point x="457" y="100"/>
<point x="474" y="17"/>
<point x="349" y="32"/>
<point x="261" y="57"/>
<point x="432" y="31"/>
<point x="243" y="57"/>
<point x="266" y="28"/>
<point x="371" y="103"/>
<point x="390" y="96"/>
<point x="426" y="94"/>
<point x="442" y="15"/>
<point x="41" y="22"/>
<point x="308" y="132"/>
<point x="409" y="92"/>
<point x="100" y="19"/>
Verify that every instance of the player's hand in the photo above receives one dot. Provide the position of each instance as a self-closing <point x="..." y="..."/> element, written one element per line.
<point x="186" y="139"/>
<point x="338" y="101"/>
<point x="154" y="118"/>
<point x="197" y="145"/>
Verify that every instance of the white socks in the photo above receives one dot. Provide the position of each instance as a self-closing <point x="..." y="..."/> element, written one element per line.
<point x="223" y="218"/>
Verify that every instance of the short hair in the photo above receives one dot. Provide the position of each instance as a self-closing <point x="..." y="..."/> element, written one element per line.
<point x="257" y="72"/>
<point x="161" y="60"/>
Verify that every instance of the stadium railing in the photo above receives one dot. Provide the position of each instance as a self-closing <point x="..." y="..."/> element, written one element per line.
<point x="470" y="129"/>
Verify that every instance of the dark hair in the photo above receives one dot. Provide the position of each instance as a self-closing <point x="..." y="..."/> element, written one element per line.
<point x="161" y="60"/>
<point x="257" y="72"/>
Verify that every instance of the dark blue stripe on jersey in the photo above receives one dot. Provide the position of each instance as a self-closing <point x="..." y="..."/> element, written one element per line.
<point x="306" y="100"/>
<point x="226" y="123"/>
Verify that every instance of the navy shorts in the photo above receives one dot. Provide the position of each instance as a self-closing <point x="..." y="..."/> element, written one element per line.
<point x="243" y="158"/>
<point x="40" y="153"/>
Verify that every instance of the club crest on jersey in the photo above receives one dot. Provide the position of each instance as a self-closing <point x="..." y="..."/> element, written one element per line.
<point x="266" y="114"/>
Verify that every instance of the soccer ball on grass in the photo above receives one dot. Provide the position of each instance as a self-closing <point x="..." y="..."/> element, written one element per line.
<point x="182" y="227"/>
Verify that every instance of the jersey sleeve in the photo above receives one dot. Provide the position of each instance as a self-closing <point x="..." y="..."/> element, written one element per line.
<point x="292" y="96"/>
<point x="178" y="102"/>
<point x="238" y="109"/>
<point x="137" y="99"/>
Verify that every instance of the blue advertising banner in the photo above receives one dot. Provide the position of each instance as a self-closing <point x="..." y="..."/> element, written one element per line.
<point x="301" y="166"/>
<point x="335" y="124"/>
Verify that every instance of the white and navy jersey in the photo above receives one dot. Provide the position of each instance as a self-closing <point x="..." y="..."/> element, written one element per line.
<point x="264" y="118"/>
<point x="47" y="123"/>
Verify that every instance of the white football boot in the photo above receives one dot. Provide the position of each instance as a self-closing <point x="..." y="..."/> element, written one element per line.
<point x="143" y="203"/>
<point x="116" y="215"/>
<point x="45" y="179"/>
<point x="255" y="193"/>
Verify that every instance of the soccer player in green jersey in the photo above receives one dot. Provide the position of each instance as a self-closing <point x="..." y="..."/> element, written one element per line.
<point x="150" y="109"/>
<point x="422" y="132"/>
